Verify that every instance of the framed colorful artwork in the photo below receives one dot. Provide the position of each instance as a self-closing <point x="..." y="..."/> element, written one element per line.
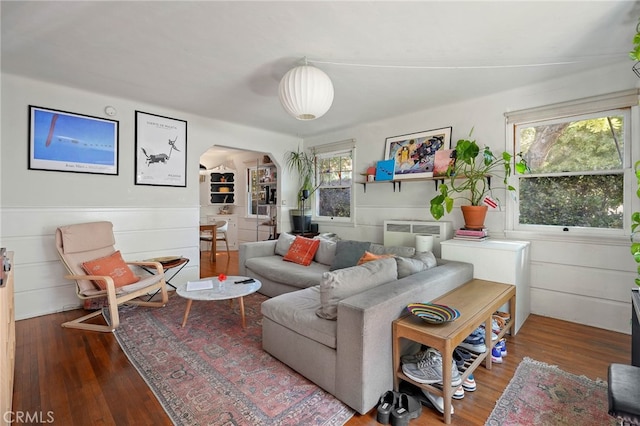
<point x="414" y="153"/>
<point x="68" y="142"/>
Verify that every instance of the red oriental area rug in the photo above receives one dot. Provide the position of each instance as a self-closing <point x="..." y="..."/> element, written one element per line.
<point x="212" y="372"/>
<point x="541" y="394"/>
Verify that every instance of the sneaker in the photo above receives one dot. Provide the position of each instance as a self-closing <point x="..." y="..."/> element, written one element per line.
<point x="469" y="383"/>
<point x="496" y="355"/>
<point x="475" y="342"/>
<point x="502" y="344"/>
<point x="460" y="356"/>
<point x="504" y="315"/>
<point x="495" y="328"/>
<point x="415" y="358"/>
<point x="437" y="401"/>
<point x="459" y="393"/>
<point x="429" y="369"/>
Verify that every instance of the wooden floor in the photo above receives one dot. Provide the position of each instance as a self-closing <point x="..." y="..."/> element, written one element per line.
<point x="83" y="377"/>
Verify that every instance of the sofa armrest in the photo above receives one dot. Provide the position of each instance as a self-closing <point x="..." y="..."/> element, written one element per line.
<point x="364" y="331"/>
<point x="254" y="249"/>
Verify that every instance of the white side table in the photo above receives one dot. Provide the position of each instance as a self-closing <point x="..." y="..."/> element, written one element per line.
<point x="503" y="261"/>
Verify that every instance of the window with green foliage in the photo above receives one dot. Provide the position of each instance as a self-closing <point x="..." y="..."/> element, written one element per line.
<point x="335" y="176"/>
<point x="577" y="173"/>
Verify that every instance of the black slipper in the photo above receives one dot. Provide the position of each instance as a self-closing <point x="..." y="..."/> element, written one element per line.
<point x="416" y="392"/>
<point x="387" y="402"/>
<point x="407" y="408"/>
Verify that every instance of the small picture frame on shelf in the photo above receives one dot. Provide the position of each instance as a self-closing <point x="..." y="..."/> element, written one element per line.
<point x="444" y="159"/>
<point x="385" y="169"/>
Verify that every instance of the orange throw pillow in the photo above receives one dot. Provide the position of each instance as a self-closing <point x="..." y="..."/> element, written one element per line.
<point x="302" y="251"/>
<point x="112" y="266"/>
<point x="368" y="257"/>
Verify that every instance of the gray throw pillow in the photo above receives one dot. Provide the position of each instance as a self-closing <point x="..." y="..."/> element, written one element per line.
<point x="338" y="285"/>
<point x="395" y="250"/>
<point x="284" y="242"/>
<point x="348" y="253"/>
<point x="418" y="263"/>
<point x="326" y="252"/>
<point x="427" y="257"/>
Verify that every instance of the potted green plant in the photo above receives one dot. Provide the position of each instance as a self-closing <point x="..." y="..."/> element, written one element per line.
<point x="468" y="178"/>
<point x="635" y="227"/>
<point x="302" y="163"/>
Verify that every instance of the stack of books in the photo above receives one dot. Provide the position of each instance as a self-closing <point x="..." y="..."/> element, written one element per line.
<point x="471" y="234"/>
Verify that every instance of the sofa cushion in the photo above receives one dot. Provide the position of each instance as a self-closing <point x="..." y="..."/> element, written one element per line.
<point x="348" y="253"/>
<point x="326" y="251"/>
<point x="297" y="311"/>
<point x="427" y="257"/>
<point x="274" y="269"/>
<point x="302" y="251"/>
<point x="368" y="257"/>
<point x="395" y="250"/>
<point x="412" y="265"/>
<point x="337" y="285"/>
<point x="284" y="242"/>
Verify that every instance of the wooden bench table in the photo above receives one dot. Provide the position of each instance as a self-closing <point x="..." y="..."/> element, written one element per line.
<point x="476" y="301"/>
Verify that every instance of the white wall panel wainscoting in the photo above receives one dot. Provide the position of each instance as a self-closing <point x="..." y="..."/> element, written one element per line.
<point x="585" y="281"/>
<point x="140" y="233"/>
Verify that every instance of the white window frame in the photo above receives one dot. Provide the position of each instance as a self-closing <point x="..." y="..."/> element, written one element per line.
<point x="334" y="150"/>
<point x="622" y="103"/>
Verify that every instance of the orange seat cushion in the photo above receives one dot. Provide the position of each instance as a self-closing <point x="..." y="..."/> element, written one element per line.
<point x="302" y="250"/>
<point x="113" y="266"/>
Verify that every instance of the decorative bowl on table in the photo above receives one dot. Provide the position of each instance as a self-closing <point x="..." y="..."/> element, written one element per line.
<point x="433" y="313"/>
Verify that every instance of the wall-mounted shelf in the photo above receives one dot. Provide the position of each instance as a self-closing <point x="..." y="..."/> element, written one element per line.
<point x="393" y="182"/>
<point x="399" y="182"/>
<point x="221" y="186"/>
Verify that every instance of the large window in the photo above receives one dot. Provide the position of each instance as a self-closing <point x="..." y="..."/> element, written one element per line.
<point x="578" y="165"/>
<point x="333" y="198"/>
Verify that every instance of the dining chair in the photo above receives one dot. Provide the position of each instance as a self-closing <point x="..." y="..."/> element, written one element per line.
<point x="207" y="233"/>
<point x="221" y="232"/>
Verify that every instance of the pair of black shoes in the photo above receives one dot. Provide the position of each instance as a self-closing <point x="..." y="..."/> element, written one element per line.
<point x="398" y="408"/>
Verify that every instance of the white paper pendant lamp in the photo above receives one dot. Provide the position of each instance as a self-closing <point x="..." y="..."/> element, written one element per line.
<point x="306" y="92"/>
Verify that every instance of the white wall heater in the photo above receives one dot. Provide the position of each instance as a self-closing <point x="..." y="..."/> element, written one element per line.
<point x="403" y="233"/>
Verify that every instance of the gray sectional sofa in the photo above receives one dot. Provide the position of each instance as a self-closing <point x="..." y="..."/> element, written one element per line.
<point x="334" y="325"/>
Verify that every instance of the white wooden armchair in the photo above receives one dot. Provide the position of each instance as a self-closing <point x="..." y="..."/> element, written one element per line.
<point x="85" y="242"/>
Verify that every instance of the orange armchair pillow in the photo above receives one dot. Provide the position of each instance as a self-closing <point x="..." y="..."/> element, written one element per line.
<point x="113" y="266"/>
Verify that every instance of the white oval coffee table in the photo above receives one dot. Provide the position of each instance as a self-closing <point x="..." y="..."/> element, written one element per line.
<point x="228" y="290"/>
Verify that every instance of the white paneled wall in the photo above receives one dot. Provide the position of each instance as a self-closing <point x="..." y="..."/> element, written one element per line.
<point x="140" y="233"/>
<point x="587" y="282"/>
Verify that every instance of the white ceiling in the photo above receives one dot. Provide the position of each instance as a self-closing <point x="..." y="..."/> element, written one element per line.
<point x="225" y="59"/>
